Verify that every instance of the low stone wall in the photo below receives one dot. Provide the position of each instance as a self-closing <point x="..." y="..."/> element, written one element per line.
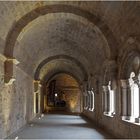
<point x="113" y="125"/>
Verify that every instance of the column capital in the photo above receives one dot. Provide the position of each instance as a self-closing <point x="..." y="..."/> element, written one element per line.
<point x="13" y="60"/>
<point x="36" y="86"/>
<point x="9" y="70"/>
<point x="2" y="57"/>
<point x="37" y="81"/>
<point x="136" y="80"/>
<point x="105" y="88"/>
<point x="40" y="85"/>
<point x="89" y="92"/>
<point x="124" y="83"/>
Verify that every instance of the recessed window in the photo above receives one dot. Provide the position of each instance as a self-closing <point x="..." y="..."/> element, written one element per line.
<point x="112" y="102"/>
<point x="130" y="97"/>
<point x="135" y="101"/>
<point x="92" y="98"/>
<point x="89" y="101"/>
<point x="108" y="100"/>
<point x="86" y="102"/>
<point x="91" y="95"/>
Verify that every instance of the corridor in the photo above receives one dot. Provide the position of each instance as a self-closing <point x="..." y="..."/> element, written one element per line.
<point x="60" y="126"/>
<point x="79" y="57"/>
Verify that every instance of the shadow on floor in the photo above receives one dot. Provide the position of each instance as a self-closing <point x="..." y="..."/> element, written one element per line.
<point x="61" y="126"/>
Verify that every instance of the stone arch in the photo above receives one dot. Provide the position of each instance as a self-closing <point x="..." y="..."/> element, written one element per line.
<point x="48" y="78"/>
<point x="44" y="62"/>
<point x="40" y="11"/>
<point x="76" y="83"/>
<point x="128" y="53"/>
<point x="109" y="71"/>
<point x="128" y="65"/>
<point x="21" y="23"/>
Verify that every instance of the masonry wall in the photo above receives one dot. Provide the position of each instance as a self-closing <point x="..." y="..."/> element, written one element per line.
<point x="16" y="102"/>
<point x="73" y="100"/>
<point x="68" y="90"/>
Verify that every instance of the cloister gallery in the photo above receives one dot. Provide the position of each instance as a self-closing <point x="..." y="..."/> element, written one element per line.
<point x="69" y="69"/>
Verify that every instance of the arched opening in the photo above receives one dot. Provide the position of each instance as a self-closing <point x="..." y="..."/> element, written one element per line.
<point x="23" y="25"/>
<point x="43" y="10"/>
<point x="77" y="57"/>
<point x="130" y="98"/>
<point x="62" y="93"/>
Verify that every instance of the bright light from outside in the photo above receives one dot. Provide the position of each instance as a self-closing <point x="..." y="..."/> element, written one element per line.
<point x="135" y="101"/>
<point x="112" y="101"/>
<point x="55" y="94"/>
<point x="92" y="100"/>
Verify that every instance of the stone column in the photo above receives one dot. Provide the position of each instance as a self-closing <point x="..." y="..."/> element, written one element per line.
<point x="110" y="98"/>
<point x="41" y="98"/>
<point x="93" y="99"/>
<point x="37" y="96"/>
<point x="129" y="98"/>
<point x="137" y="81"/>
<point x="84" y="102"/>
<point x="9" y="70"/>
<point x="138" y="120"/>
<point x="106" y="99"/>
<point x="89" y="101"/>
<point x="124" y="97"/>
<point x="83" y="105"/>
<point x="89" y="93"/>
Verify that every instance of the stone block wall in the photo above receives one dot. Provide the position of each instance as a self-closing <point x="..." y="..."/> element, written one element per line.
<point x="16" y="102"/>
<point x="68" y="90"/>
<point x="73" y="100"/>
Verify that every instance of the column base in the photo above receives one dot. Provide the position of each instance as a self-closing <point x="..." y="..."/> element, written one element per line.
<point x="128" y="118"/>
<point x="137" y="120"/>
<point x="110" y="114"/>
<point x="131" y="119"/>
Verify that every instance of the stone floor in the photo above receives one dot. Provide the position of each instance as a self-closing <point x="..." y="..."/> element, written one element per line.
<point x="60" y="126"/>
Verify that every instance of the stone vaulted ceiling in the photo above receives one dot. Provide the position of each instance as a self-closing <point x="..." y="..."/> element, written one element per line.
<point x="61" y="34"/>
<point x="80" y="36"/>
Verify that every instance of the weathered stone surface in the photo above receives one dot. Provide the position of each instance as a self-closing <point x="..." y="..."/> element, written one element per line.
<point x="16" y="104"/>
<point x="88" y="33"/>
<point x="70" y="90"/>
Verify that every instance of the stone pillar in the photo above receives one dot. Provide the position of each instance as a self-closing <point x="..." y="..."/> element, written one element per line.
<point x="86" y="107"/>
<point x="138" y="120"/>
<point x="2" y="60"/>
<point x="110" y="98"/>
<point x="124" y="98"/>
<point x="36" y="97"/>
<point x="84" y="97"/>
<point x="2" y="71"/>
<point x="89" y="100"/>
<point x="114" y="89"/>
<point x="129" y="99"/>
<point x="106" y="99"/>
<point x="137" y="81"/>
<point x="84" y="101"/>
<point x="9" y="77"/>
<point x="41" y="98"/>
<point x="93" y="99"/>
<point x="85" y="88"/>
